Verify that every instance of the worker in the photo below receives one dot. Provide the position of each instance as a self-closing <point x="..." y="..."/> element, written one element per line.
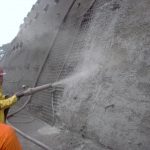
<point x="8" y="138"/>
<point x="5" y="103"/>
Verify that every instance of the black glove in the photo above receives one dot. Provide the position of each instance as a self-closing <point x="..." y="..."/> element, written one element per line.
<point x="7" y="96"/>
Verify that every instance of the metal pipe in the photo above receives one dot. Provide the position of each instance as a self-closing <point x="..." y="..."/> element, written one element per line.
<point x="33" y="90"/>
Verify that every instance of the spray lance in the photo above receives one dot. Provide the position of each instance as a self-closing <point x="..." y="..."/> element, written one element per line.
<point x="33" y="90"/>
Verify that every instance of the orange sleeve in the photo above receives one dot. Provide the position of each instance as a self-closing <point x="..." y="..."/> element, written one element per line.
<point x="8" y="138"/>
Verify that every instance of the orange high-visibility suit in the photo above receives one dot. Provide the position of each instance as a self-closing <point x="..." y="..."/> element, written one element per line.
<point x="8" y="138"/>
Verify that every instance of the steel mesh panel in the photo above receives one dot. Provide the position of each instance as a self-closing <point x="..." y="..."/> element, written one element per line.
<point x="78" y="45"/>
<point x="51" y="71"/>
<point x="56" y="96"/>
<point x="63" y="59"/>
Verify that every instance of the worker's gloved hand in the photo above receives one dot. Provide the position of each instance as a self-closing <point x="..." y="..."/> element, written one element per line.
<point x="6" y="96"/>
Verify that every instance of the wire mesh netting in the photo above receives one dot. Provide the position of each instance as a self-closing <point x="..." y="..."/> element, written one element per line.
<point x="63" y="59"/>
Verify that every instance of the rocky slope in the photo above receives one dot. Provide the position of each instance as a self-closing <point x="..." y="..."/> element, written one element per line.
<point x="101" y="50"/>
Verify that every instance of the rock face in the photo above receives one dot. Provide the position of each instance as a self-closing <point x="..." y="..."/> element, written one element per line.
<point x="98" y="50"/>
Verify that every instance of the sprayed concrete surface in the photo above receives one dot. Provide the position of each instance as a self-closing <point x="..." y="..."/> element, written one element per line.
<point x="98" y="52"/>
<point x="53" y="137"/>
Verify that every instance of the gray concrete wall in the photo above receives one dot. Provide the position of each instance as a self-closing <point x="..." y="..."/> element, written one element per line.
<point x="107" y="98"/>
<point x="102" y="51"/>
